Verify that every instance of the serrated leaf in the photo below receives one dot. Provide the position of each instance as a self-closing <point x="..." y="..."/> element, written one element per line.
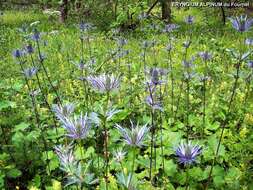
<point x="14" y="173"/>
<point x="170" y="168"/>
<point x="21" y="127"/>
<point x="6" y="104"/>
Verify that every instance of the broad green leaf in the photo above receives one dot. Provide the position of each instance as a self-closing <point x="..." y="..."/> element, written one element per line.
<point x="170" y="168"/>
<point x="14" y="173"/>
<point x="21" y="127"/>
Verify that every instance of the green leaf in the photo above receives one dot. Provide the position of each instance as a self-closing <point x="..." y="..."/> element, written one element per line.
<point x="14" y="173"/>
<point x="212" y="146"/>
<point x="21" y="127"/>
<point x="6" y="104"/>
<point x="180" y="178"/>
<point x="170" y="167"/>
<point x="33" y="135"/>
<point x="233" y="175"/>
<point x="218" y="173"/>
<point x="54" y="163"/>
<point x="196" y="173"/>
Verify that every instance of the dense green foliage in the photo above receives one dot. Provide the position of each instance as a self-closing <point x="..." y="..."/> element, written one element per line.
<point x="27" y="155"/>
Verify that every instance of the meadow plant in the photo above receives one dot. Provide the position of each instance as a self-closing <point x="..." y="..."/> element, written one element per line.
<point x="133" y="137"/>
<point x="206" y="56"/>
<point x="241" y="24"/>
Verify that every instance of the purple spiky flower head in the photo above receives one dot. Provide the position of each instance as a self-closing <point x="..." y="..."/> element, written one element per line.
<point x="85" y="26"/>
<point x="189" y="19"/>
<point x="169" y="47"/>
<point x="145" y="44"/>
<point x="205" y="55"/>
<point x="143" y="16"/>
<point x="250" y="64"/>
<point x="119" y="155"/>
<point x="242" y="23"/>
<point x="249" y="41"/>
<point x="36" y="35"/>
<point x="154" y="104"/>
<point x="121" y="42"/>
<point x="170" y="27"/>
<point x="187" y="153"/>
<point x="63" y="112"/>
<point x="17" y="53"/>
<point x="186" y="44"/>
<point x="29" y="49"/>
<point x="156" y="75"/>
<point x="104" y="83"/>
<point x="78" y="127"/>
<point x="135" y="135"/>
<point x="30" y="72"/>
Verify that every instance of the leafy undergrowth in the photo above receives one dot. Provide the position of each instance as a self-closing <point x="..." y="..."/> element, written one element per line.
<point x="163" y="107"/>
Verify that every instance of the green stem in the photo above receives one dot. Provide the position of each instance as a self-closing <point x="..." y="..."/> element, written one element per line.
<point x="106" y="155"/>
<point x="187" y="178"/>
<point x="133" y="163"/>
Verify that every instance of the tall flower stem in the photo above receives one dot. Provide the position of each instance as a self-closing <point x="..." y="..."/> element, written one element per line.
<point x="161" y="131"/>
<point x="85" y="89"/>
<point x="144" y="60"/>
<point x="152" y="134"/>
<point x="106" y="138"/>
<point x="179" y="98"/>
<point x="187" y="93"/>
<point x="248" y="81"/>
<point x="170" y="66"/>
<point x="152" y="143"/>
<point x="188" y="105"/>
<point x="44" y="98"/>
<point x="204" y="101"/>
<point x="223" y="126"/>
<point x="187" y="178"/>
<point x="133" y="164"/>
<point x="89" y="44"/>
<point x="46" y="73"/>
<point x="36" y="115"/>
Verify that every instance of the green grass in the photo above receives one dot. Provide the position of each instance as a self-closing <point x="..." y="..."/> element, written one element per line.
<point x="233" y="168"/>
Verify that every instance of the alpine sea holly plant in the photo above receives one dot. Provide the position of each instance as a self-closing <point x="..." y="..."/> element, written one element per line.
<point x="105" y="84"/>
<point x="68" y="125"/>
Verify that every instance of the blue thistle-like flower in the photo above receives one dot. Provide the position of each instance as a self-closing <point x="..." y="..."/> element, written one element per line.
<point x="135" y="135"/>
<point x="30" y="72"/>
<point x="169" y="47"/>
<point x="250" y="64"/>
<point x="36" y="35"/>
<point x="205" y="55"/>
<point x="121" y="42"/>
<point x="66" y="157"/>
<point x="145" y="44"/>
<point x="84" y="26"/>
<point x="155" y="75"/>
<point x="119" y="155"/>
<point x="63" y="112"/>
<point x="29" y="49"/>
<point x="104" y="83"/>
<point x="142" y="16"/>
<point x="17" y="53"/>
<point x="188" y="63"/>
<point x="76" y="173"/>
<point x="78" y="128"/>
<point x="154" y="104"/>
<point x="170" y="27"/>
<point x="187" y="153"/>
<point x="249" y="41"/>
<point x="189" y="19"/>
<point x="242" y="23"/>
<point x="186" y="44"/>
